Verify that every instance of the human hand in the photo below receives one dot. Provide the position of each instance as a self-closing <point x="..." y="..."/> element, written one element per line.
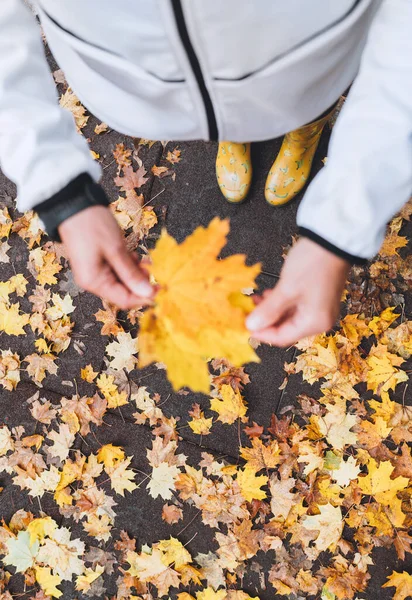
<point x="306" y="299"/>
<point x="100" y="261"/>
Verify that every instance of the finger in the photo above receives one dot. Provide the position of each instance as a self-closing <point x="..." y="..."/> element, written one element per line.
<point x="292" y="329"/>
<point x="129" y="272"/>
<point x="115" y="292"/>
<point x="269" y="310"/>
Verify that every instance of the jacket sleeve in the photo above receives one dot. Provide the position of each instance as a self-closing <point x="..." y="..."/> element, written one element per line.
<point x="368" y="175"/>
<point x="40" y="149"/>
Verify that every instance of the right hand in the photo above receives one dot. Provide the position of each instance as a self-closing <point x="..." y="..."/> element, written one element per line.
<point x="100" y="261"/>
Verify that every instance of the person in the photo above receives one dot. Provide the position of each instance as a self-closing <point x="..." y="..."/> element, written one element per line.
<point x="234" y="72"/>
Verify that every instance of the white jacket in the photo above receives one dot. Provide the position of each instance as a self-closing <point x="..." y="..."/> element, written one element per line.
<point x="240" y="71"/>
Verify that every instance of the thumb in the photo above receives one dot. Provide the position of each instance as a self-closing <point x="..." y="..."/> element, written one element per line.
<point x="269" y="310"/>
<point x="129" y="272"/>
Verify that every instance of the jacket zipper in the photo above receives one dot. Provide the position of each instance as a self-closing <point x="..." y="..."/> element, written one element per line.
<point x="197" y="71"/>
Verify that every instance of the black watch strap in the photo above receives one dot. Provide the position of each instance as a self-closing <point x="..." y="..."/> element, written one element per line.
<point x="82" y="192"/>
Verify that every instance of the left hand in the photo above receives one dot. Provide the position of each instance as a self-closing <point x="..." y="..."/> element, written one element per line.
<point x="305" y="301"/>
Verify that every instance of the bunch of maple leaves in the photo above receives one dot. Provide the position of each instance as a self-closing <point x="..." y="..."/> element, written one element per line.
<point x="318" y="488"/>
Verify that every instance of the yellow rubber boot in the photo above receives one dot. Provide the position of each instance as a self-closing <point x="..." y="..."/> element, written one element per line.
<point x="234" y="170"/>
<point x="291" y="169"/>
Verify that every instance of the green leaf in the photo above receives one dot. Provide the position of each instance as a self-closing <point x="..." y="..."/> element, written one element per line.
<point x="21" y="553"/>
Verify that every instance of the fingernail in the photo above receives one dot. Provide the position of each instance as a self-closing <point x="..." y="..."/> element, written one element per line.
<point x="254" y="322"/>
<point x="143" y="289"/>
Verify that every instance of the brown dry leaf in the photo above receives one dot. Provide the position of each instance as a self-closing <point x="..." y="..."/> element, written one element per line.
<point x="43" y="411"/>
<point x="161" y="171"/>
<point x="9" y="369"/>
<point x="122" y="156"/>
<point x="4" y="248"/>
<point x="108" y="316"/>
<point x="59" y="77"/>
<point x="173" y="156"/>
<point x="403" y="462"/>
<point x="259" y="456"/>
<point x="101" y="128"/>
<point x="62" y="442"/>
<point x="39" y="364"/>
<point x="29" y="228"/>
<point x="406" y="211"/>
<point x="40" y="298"/>
<point x="171" y="513"/>
<point x="254" y="430"/>
<point x="131" y="180"/>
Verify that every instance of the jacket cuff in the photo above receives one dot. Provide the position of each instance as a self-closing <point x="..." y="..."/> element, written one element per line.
<point x="81" y="193"/>
<point x="354" y="260"/>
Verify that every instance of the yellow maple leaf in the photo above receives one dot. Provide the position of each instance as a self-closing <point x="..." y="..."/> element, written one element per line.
<point x="379" y="519"/>
<point x="403" y="584"/>
<point x="19" y="284"/>
<point x="106" y="385"/>
<point x="378" y="483"/>
<point x="39" y="528"/>
<point x="70" y="102"/>
<point x="174" y="552"/>
<point x="84" y="581"/>
<point x="88" y="374"/>
<point x="199" y="424"/>
<point x="11" y="321"/>
<point x="384" y="409"/>
<point x="383" y="374"/>
<point x="72" y="470"/>
<point x="355" y="328"/>
<point x="210" y="594"/>
<point x="230" y="406"/>
<point x="200" y="311"/>
<point x="109" y="455"/>
<point x="381" y="323"/>
<point x="46" y="265"/>
<point x="5" y="223"/>
<point x="250" y="484"/>
<point x="48" y="581"/>
<point x="239" y="595"/>
<point x="391" y="245"/>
